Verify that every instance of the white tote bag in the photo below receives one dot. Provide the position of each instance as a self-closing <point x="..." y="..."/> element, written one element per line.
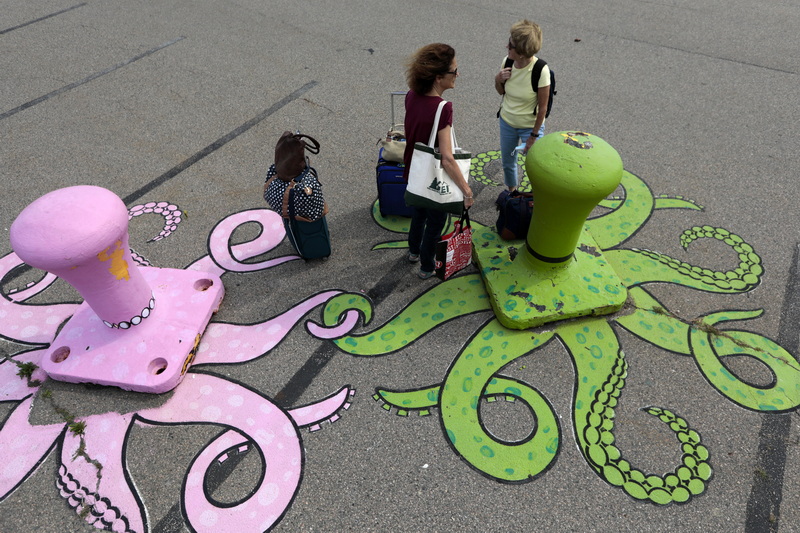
<point x="429" y="185"/>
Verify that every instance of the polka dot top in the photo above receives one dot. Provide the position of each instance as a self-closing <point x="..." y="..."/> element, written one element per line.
<point x="307" y="198"/>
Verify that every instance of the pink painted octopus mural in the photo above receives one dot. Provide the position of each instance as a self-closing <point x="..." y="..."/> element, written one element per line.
<point x="92" y="475"/>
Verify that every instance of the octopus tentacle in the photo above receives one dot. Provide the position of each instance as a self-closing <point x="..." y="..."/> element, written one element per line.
<point x="651" y="322"/>
<point x="171" y="213"/>
<point x="13" y="386"/>
<point x="676" y="202"/>
<point x="32" y="289"/>
<point x="391" y="223"/>
<point x="29" y="323"/>
<point x="471" y="377"/>
<point x="27" y="444"/>
<point x="601" y="371"/>
<point x="477" y="169"/>
<point x="237" y="343"/>
<point x="225" y="257"/>
<point x="326" y="410"/>
<point x="420" y="401"/>
<point x="619" y="225"/>
<point x="662" y="201"/>
<point x="644" y="266"/>
<point x="93" y="478"/>
<point x="450" y="299"/>
<point x="204" y="398"/>
<point x="710" y="346"/>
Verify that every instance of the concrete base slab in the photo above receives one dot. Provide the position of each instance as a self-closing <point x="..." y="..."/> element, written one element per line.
<point x="526" y="292"/>
<point x="153" y="354"/>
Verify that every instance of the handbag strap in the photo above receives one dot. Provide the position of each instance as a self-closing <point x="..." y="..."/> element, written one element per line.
<point x="435" y="128"/>
<point x="288" y="210"/>
<point x="285" y="212"/>
<point x="313" y="147"/>
<point x="465" y="222"/>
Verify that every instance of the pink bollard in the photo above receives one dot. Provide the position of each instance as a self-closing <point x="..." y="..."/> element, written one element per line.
<point x="138" y="327"/>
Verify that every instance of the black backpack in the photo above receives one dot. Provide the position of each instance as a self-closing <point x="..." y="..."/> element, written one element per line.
<point x="515" y="210"/>
<point x="536" y="73"/>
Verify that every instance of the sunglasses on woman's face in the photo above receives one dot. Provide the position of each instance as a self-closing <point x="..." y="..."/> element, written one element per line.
<point x="453" y="72"/>
<point x="511" y="46"/>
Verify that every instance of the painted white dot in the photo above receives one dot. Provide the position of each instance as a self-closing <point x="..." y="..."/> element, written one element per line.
<point x="264" y="436"/>
<point x="212" y="412"/>
<point x="205" y="390"/>
<point x="269" y="494"/>
<point x="208" y="518"/>
<point x="275" y="329"/>
<point x="235" y="401"/>
<point x="120" y="371"/>
<point x="28" y="332"/>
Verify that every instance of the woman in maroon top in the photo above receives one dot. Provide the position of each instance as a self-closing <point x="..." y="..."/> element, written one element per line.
<point x="431" y="71"/>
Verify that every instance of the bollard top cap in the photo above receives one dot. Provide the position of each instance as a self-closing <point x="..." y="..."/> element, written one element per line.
<point x="574" y="163"/>
<point x="66" y="226"/>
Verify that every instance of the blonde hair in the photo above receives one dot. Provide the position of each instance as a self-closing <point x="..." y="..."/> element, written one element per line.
<point x="526" y="36"/>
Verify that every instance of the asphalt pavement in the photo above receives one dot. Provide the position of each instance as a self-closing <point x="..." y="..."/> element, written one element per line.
<point x="176" y="108"/>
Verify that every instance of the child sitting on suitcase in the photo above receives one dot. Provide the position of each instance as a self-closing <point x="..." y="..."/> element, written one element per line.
<point x="293" y="190"/>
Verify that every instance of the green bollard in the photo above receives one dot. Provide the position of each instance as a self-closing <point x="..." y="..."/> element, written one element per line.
<point x="559" y="271"/>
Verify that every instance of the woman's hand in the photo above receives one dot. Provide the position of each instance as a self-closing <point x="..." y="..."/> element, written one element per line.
<point x="503" y="75"/>
<point x="469" y="201"/>
<point x="500" y="80"/>
<point x="528" y="144"/>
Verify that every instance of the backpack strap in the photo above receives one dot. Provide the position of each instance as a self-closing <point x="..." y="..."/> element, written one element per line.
<point x="536" y="73"/>
<point x="508" y="64"/>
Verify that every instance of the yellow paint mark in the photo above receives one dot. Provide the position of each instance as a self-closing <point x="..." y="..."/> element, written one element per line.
<point x="191" y="355"/>
<point x="119" y="267"/>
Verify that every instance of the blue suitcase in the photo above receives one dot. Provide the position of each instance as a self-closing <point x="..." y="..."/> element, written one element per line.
<point x="389" y="178"/>
<point x="391" y="188"/>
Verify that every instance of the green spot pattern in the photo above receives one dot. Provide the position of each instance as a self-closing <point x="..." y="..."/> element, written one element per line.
<point x="600" y="366"/>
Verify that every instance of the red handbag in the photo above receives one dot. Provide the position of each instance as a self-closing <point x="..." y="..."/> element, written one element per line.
<point x="454" y="250"/>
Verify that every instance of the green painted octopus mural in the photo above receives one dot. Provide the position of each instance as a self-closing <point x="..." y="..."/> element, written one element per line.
<point x="594" y="347"/>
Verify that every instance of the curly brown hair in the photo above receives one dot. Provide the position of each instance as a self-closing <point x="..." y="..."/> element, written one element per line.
<point x="426" y="64"/>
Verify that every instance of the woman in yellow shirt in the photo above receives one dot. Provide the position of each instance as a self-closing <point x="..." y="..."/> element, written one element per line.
<point x="523" y="110"/>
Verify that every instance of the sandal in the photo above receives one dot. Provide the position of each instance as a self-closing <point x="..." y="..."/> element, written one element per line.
<point x="413" y="258"/>
<point x="424" y="275"/>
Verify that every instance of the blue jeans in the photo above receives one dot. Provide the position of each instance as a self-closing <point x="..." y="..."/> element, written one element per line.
<point x="426" y="229"/>
<point x="510" y="138"/>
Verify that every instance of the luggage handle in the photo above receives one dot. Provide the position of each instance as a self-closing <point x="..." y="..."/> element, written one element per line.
<point x="391" y="98"/>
